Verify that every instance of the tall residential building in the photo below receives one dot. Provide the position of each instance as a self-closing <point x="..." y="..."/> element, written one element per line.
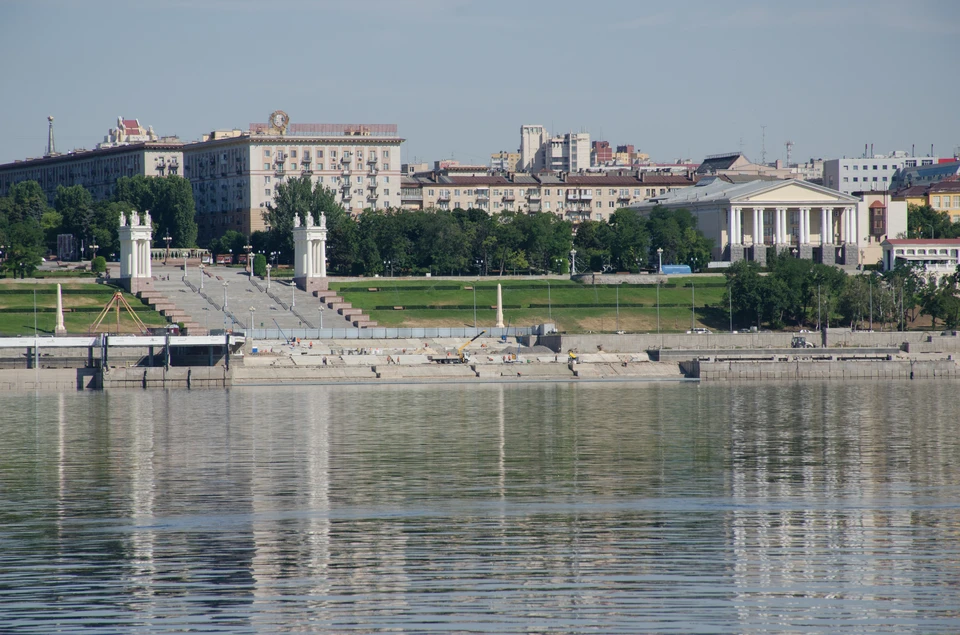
<point x="600" y="153"/>
<point x="235" y="176"/>
<point x="533" y="141"/>
<point x="569" y="152"/>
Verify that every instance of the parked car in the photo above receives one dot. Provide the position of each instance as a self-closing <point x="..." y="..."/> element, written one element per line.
<point x="699" y="330"/>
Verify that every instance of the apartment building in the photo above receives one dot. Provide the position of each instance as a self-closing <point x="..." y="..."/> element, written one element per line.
<point x="128" y="150"/>
<point x="504" y="161"/>
<point x="943" y="197"/>
<point x="574" y="197"/>
<point x="235" y="174"/>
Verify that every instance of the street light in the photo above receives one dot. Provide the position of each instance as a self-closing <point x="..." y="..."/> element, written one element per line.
<point x="167" y="239"/>
<point x="252" y="309"/>
<point x="268" y="275"/>
<point x="320" y="309"/>
<point x="225" y="283"/>
<point x="94" y="247"/>
<point x="201" y="275"/>
<point x="573" y="262"/>
<point x="249" y="248"/>
<point x="389" y="263"/>
<point x="660" y="260"/>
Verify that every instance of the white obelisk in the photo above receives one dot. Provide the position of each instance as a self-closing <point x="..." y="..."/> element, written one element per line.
<point x="60" y="328"/>
<point x="499" y="307"/>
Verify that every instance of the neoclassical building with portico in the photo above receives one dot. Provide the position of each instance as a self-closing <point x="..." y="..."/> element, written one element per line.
<point x="747" y="220"/>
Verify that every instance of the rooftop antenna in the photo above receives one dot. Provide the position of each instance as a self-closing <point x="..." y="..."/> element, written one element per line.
<point x="763" y="145"/>
<point x="51" y="146"/>
<point x="789" y="145"/>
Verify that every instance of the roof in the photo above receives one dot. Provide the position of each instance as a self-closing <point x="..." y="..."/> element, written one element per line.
<point x="716" y="189"/>
<point x="876" y="204"/>
<point x="720" y="162"/>
<point x="922" y="241"/>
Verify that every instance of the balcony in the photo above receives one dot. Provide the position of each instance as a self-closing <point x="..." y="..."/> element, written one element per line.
<point x="623" y="197"/>
<point x="573" y="196"/>
<point x="346" y="172"/>
<point x="508" y="198"/>
<point x="372" y="185"/>
<point x="533" y="195"/>
<point x="372" y="160"/>
<point x="443" y="197"/>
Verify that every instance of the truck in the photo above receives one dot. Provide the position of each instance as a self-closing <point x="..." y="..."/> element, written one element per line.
<point x="461" y="357"/>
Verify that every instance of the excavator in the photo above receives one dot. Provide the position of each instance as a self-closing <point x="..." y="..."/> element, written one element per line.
<point x="461" y="358"/>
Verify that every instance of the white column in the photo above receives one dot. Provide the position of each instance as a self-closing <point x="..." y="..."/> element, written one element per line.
<point x="854" y="225"/>
<point x="777" y="227"/>
<point x="758" y="225"/>
<point x="146" y="251"/>
<point x="731" y="222"/>
<point x="804" y="225"/>
<point x="323" y="258"/>
<point x="823" y="226"/>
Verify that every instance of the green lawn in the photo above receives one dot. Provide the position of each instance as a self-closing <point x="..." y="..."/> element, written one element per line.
<point x="572" y="306"/>
<point x="81" y="302"/>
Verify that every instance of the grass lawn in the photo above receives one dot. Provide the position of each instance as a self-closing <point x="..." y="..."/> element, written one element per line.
<point x="573" y="307"/>
<point x="81" y="303"/>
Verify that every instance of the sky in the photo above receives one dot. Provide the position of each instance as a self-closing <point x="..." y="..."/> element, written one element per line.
<point x="459" y="77"/>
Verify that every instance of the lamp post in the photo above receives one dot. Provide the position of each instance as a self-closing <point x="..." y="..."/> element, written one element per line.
<point x="618" y="307"/>
<point x="252" y="309"/>
<point x="474" y="307"/>
<point x="249" y="248"/>
<point x="693" y="297"/>
<point x="93" y="248"/>
<point x="660" y="260"/>
<point x="320" y="310"/>
<point x="573" y="262"/>
<point x="388" y="263"/>
<point x="184" y="266"/>
<point x="658" y="307"/>
<point x="167" y="240"/>
<point x="201" y="275"/>
<point x="549" y="302"/>
<point x="268" y="275"/>
<point x="225" y="283"/>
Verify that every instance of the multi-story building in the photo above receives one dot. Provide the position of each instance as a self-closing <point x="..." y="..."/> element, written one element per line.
<point x="504" y="161"/>
<point x="575" y="197"/>
<point x="127" y="150"/>
<point x="235" y="174"/>
<point x="943" y="197"/>
<point x="600" y="153"/>
<point x="869" y="174"/>
<point x="925" y="174"/>
<point x="533" y="139"/>
<point x="568" y="152"/>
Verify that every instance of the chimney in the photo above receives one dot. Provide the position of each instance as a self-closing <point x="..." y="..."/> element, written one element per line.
<point x="871" y="150"/>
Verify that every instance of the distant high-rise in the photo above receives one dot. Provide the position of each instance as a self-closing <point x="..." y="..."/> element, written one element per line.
<point x="533" y="141"/>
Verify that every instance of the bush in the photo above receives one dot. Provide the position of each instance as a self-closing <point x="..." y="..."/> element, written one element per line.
<point x="259" y="265"/>
<point x="99" y="264"/>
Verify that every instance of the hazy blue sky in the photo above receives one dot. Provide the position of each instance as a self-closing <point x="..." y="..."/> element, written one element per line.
<point x="676" y="79"/>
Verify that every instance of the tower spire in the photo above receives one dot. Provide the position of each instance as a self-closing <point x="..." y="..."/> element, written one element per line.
<point x="51" y="146"/>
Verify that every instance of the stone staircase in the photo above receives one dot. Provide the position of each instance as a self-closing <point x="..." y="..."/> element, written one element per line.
<point x="353" y="315"/>
<point x="159" y="303"/>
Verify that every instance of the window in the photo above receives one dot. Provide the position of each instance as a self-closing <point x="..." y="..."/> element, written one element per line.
<point x="874" y="179"/>
<point x="293" y="154"/>
<point x="599" y="203"/>
<point x="875" y="166"/>
<point x="936" y="201"/>
<point x="386" y="154"/>
<point x="319" y="154"/>
<point x="613" y="192"/>
<point x="884" y="167"/>
<point x="846" y="167"/>
<point x="386" y="166"/>
<point x="636" y="192"/>
<point x="386" y="179"/>
<point x="266" y="192"/>
<point x="430" y="192"/>
<point x="333" y="154"/>
<point x="610" y="204"/>
<point x="266" y="153"/>
<point x="884" y="178"/>
<point x="546" y="205"/>
<point x="956" y="201"/>
<point x="266" y="166"/>
<point x="845" y="179"/>
<point x="386" y="192"/>
<point x="856" y="167"/>
<point x="359" y="179"/>
<point x="456" y="192"/>
<point x="855" y="179"/>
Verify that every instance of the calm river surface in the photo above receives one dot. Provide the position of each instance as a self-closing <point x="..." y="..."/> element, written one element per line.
<point x="545" y="508"/>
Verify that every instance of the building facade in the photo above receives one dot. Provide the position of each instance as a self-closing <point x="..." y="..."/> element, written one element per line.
<point x="533" y="139"/>
<point x="504" y="161"/>
<point x="943" y="197"/>
<point x="235" y="177"/>
<point x="568" y="152"/>
<point x="936" y="257"/>
<point x="866" y="175"/>
<point x="744" y="220"/>
<point x="574" y="197"/>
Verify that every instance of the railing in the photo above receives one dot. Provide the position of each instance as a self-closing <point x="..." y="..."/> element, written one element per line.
<point x="387" y="333"/>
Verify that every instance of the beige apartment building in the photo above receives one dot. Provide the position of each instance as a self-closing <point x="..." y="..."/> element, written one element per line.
<point x="235" y="174"/>
<point x="573" y="197"/>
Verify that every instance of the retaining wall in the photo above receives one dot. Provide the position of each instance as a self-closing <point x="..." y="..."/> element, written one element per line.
<point x="851" y="369"/>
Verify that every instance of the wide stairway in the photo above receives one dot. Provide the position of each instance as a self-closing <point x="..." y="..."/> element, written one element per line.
<point x="225" y="298"/>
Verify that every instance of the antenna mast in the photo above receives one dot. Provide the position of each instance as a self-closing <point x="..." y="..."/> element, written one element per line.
<point x="789" y="145"/>
<point x="763" y="145"/>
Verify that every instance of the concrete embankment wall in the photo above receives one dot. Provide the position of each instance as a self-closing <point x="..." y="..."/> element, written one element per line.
<point x="159" y="377"/>
<point x="56" y="379"/>
<point x="850" y="369"/>
<point x="588" y="343"/>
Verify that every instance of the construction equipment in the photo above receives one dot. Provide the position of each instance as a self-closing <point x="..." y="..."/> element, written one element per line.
<point x="462" y="357"/>
<point x="799" y="341"/>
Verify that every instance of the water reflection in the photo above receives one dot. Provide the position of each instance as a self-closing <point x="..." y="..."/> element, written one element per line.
<point x="560" y="508"/>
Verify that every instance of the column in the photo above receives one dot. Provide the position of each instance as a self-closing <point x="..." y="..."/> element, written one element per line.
<point x="823" y="226"/>
<point x="731" y="221"/>
<point x="777" y="226"/>
<point x="323" y="258"/>
<point x="758" y="225"/>
<point x="738" y="231"/>
<point x="148" y="271"/>
<point x="804" y="225"/>
<point x="854" y="225"/>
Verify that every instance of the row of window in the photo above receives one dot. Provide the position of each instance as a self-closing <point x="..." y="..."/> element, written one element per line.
<point x="875" y="166"/>
<point x="371" y="154"/>
<point x="650" y="191"/>
<point x="864" y="179"/>
<point x="944" y="202"/>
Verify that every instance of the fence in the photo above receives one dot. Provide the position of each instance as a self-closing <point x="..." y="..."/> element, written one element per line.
<point x="377" y="333"/>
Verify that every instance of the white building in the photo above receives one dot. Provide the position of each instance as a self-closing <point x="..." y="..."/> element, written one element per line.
<point x="568" y="153"/>
<point x="867" y="175"/>
<point x="533" y="141"/>
<point x="937" y="257"/>
<point x="745" y="220"/>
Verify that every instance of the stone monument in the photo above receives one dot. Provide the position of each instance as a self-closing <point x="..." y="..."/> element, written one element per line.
<point x="136" y="240"/>
<point x="310" y="254"/>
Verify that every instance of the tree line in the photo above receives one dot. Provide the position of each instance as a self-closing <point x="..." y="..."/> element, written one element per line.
<point x="800" y="293"/>
<point x="29" y="226"/>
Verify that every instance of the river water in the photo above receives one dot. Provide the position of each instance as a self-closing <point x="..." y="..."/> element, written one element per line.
<point x="545" y="508"/>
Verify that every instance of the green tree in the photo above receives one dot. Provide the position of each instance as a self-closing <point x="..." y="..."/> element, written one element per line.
<point x="98" y="264"/>
<point x="925" y="222"/>
<point x="259" y="265"/>
<point x="169" y="201"/>
<point x="630" y="240"/>
<point x="75" y="205"/>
